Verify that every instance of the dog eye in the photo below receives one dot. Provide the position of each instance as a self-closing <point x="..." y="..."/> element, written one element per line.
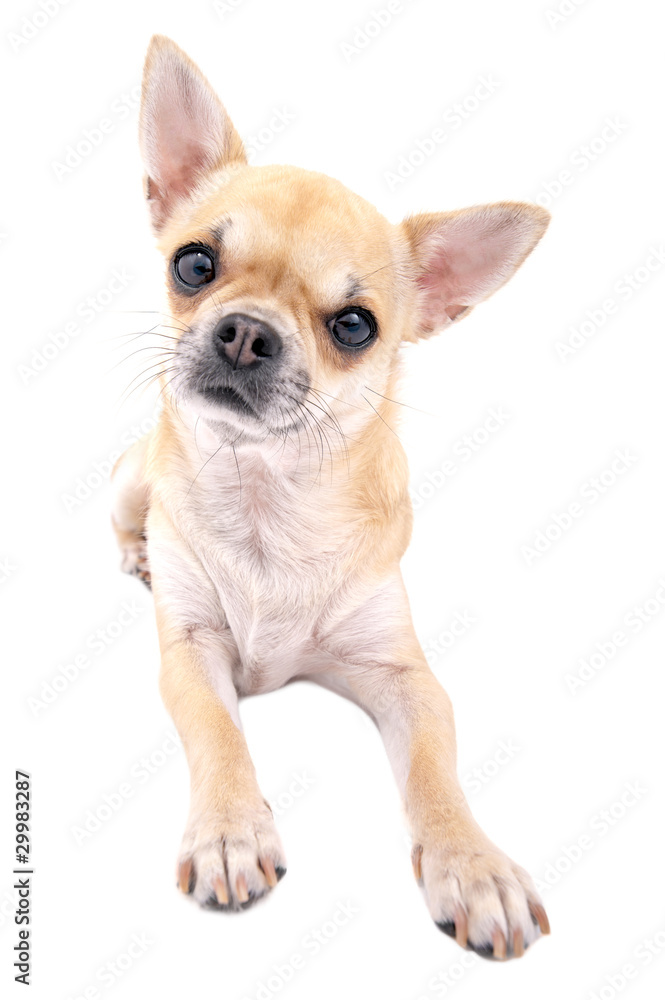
<point x="353" y="327"/>
<point x="194" y="266"/>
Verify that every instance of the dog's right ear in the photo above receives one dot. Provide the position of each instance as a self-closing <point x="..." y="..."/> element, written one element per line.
<point x="463" y="257"/>
<point x="184" y="131"/>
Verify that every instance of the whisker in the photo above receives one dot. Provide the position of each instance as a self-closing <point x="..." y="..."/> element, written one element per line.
<point x="336" y="426"/>
<point x="153" y="331"/>
<point x="330" y="451"/>
<point x="280" y="433"/>
<point x="306" y="417"/>
<point x="165" y="351"/>
<point x="399" y="402"/>
<point x="210" y="458"/>
<point x="150" y="380"/>
<point x="287" y="434"/>
<point x="306" y="425"/>
<point x="182" y="329"/>
<point x="155" y="364"/>
<point x="154" y="312"/>
<point x="233" y="449"/>
<point x="370" y="273"/>
<point x="217" y="450"/>
<point x="135" y="333"/>
<point x="196" y="427"/>
<point x="381" y="418"/>
<point x="321" y="433"/>
<point x="166" y="385"/>
<point x="318" y="444"/>
<point x="301" y="385"/>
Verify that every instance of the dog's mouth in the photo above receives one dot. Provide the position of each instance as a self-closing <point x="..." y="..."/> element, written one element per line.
<point x="228" y="398"/>
<point x="224" y="395"/>
<point x="248" y="402"/>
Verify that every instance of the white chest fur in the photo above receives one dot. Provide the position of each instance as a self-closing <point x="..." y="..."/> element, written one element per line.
<point x="262" y="527"/>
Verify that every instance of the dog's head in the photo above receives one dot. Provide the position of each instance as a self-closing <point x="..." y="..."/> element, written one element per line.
<point x="285" y="287"/>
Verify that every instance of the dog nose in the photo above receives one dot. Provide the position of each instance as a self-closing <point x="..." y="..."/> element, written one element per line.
<point x="245" y="342"/>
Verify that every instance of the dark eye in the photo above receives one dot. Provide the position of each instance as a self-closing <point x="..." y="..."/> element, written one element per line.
<point x="194" y="266"/>
<point x="353" y="327"/>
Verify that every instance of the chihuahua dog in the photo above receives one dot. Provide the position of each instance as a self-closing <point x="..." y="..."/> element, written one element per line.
<point x="269" y="508"/>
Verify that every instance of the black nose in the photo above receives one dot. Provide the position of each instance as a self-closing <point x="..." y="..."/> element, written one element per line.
<point x="245" y="342"/>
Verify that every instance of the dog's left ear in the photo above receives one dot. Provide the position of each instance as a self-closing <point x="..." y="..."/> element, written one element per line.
<point x="184" y="130"/>
<point x="462" y="257"/>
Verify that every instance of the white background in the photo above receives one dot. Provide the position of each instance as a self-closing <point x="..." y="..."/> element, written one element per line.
<point x="356" y="112"/>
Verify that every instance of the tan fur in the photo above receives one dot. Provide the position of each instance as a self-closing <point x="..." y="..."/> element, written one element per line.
<point x="274" y="542"/>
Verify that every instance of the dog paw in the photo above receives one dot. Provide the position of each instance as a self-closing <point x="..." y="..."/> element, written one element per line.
<point x="135" y="559"/>
<point x="478" y="896"/>
<point x="232" y="863"/>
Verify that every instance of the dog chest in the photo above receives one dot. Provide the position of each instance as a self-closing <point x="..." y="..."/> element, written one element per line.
<point x="274" y="558"/>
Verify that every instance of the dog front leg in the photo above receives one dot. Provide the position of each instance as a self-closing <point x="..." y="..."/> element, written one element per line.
<point x="231" y="852"/>
<point x="474" y="892"/>
<point x="131" y="503"/>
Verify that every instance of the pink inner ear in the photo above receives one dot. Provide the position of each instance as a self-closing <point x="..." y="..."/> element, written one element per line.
<point x="440" y="292"/>
<point x="464" y="266"/>
<point x="183" y="147"/>
<point x="455" y="311"/>
<point x="467" y="256"/>
<point x="182" y="160"/>
<point x="184" y="129"/>
<point x="449" y="287"/>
